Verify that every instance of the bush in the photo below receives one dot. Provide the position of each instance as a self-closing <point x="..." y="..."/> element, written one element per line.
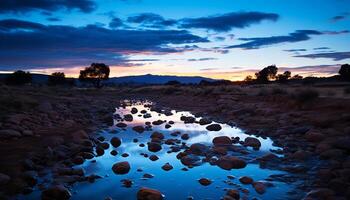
<point x="306" y="95"/>
<point x="19" y="78"/>
<point x="57" y="78"/>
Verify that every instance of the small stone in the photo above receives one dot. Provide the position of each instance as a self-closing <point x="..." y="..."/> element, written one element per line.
<point x="246" y="180"/>
<point x="153" y="157"/>
<point x="121" y="168"/>
<point x="214" y="127"/>
<point x="204" y="181"/>
<point x="167" y="167"/>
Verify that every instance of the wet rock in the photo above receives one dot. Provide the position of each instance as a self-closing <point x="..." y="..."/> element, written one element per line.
<point x="78" y="160"/>
<point x="104" y="145"/>
<point x="233" y="193"/>
<point x="252" y="142"/>
<point x="158" y="122"/>
<point x="87" y="155"/>
<point x="27" y="133"/>
<point x="134" y="110"/>
<point x="138" y="129"/>
<point x="127" y="183"/>
<point x="114" y="152"/>
<point x="185" y="136"/>
<point x="121" y="125"/>
<point x="171" y="122"/>
<point x="245" y="180"/>
<point x="125" y="155"/>
<point x="157" y="135"/>
<point x="222" y="140"/>
<point x="204" y="181"/>
<point x="167" y="167"/>
<point x="230" y="162"/>
<point x="147" y="115"/>
<point x="199" y="149"/>
<point x="121" y="167"/>
<point x="30" y="177"/>
<point x="148" y="176"/>
<point x="116" y="142"/>
<point x="321" y="193"/>
<point x="57" y="192"/>
<point x="259" y="187"/>
<point x="214" y="127"/>
<point x="4" y="179"/>
<point x="154" y="146"/>
<point x="149" y="194"/>
<point x="204" y="121"/>
<point x="128" y="117"/>
<point x="8" y="133"/>
<point x="343" y="143"/>
<point x="153" y="157"/>
<point x="268" y="157"/>
<point x="175" y="134"/>
<point x="99" y="151"/>
<point x="187" y="120"/>
<point x="190" y="160"/>
<point x="301" y="155"/>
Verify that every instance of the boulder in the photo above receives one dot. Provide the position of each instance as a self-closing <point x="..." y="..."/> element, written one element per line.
<point x="167" y="167"/>
<point x="138" y="129"/>
<point x="149" y="194"/>
<point x="158" y="122"/>
<point x="128" y="117"/>
<point x="204" y="121"/>
<point x="185" y="136"/>
<point x="154" y="146"/>
<point x="57" y="192"/>
<point x="222" y="140"/>
<point x="245" y="180"/>
<point x="214" y="127"/>
<point x="153" y="157"/>
<point x="121" y="125"/>
<point x="187" y="119"/>
<point x="190" y="160"/>
<point x="259" y="187"/>
<point x="230" y="162"/>
<point x="233" y="193"/>
<point x="199" y="149"/>
<point x="116" y="142"/>
<point x="204" y="181"/>
<point x="157" y="135"/>
<point x="314" y="136"/>
<point x="134" y="110"/>
<point x="252" y="142"/>
<point x="121" y="167"/>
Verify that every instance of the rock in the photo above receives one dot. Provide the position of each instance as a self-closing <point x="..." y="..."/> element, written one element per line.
<point x="321" y="193"/>
<point x="245" y="180"/>
<point x="222" y="140"/>
<point x="148" y="176"/>
<point x="158" y="122"/>
<point x="268" y="157"/>
<point x="8" y="133"/>
<point x="204" y="121"/>
<point x="233" y="193"/>
<point x="114" y="152"/>
<point x="125" y="155"/>
<point x="4" y="179"/>
<point x="147" y="115"/>
<point x="57" y="192"/>
<point x="214" y="127"/>
<point x="167" y="126"/>
<point x="128" y="117"/>
<point x="127" y="183"/>
<point x="230" y="162"/>
<point x="199" y="149"/>
<point x="138" y="129"/>
<point x="153" y="157"/>
<point x="301" y="155"/>
<point x="187" y="120"/>
<point x="44" y="107"/>
<point x="252" y="142"/>
<point x="332" y="154"/>
<point x="87" y="155"/>
<point x="167" y="167"/>
<point x="134" y="110"/>
<point x="190" y="160"/>
<point x="104" y="145"/>
<point x="259" y="187"/>
<point x="99" y="151"/>
<point x="78" y="160"/>
<point x="314" y="136"/>
<point x="185" y="136"/>
<point x="116" y="142"/>
<point x="121" y="167"/>
<point x="154" y="146"/>
<point x="157" y="135"/>
<point x="204" y="181"/>
<point x="121" y="125"/>
<point x="149" y="194"/>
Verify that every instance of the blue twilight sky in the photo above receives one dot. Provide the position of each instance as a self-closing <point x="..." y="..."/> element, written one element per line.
<point x="214" y="38"/>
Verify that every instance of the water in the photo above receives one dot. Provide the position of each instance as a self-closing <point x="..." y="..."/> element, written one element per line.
<point x="176" y="183"/>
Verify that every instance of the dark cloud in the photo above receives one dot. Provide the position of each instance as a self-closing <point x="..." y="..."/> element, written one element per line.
<point x="336" y="56"/>
<point x="341" y="17"/>
<point x="228" y="21"/>
<point x="52" y="45"/>
<point x="321" y="48"/>
<point x="151" y="20"/>
<point x="53" y="19"/>
<point x="22" y="6"/>
<point x="116" y="22"/>
<point x="201" y="59"/>
<point x="297" y="36"/>
<point x="295" y="50"/>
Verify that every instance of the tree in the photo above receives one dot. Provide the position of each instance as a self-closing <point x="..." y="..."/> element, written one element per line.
<point x="297" y="77"/>
<point x="248" y="79"/>
<point x="19" y="78"/>
<point x="283" y="77"/>
<point x="266" y="74"/>
<point x="95" y="74"/>
<point x="57" y="78"/>
<point x="345" y="72"/>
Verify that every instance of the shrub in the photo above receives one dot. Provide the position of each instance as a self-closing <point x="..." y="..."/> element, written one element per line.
<point x="19" y="78"/>
<point x="306" y="95"/>
<point x="57" y="78"/>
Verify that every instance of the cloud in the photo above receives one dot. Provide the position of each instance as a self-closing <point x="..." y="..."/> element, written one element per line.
<point x="336" y="56"/>
<point x="34" y="44"/>
<point x="297" y="36"/>
<point x="295" y="50"/>
<point x="22" y="6"/>
<point x="116" y="22"/>
<point x="226" y="22"/>
<point x="151" y="20"/>
<point x="201" y="59"/>
<point x="53" y="19"/>
<point x="321" y="48"/>
<point x="341" y="17"/>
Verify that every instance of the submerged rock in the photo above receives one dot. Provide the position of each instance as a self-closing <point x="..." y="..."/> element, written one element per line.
<point x="121" y="125"/>
<point x="187" y="120"/>
<point x="139" y="129"/>
<point x="190" y="160"/>
<point x="204" y="121"/>
<point x="214" y="127"/>
<point x="233" y="193"/>
<point x="57" y="192"/>
<point x="127" y="183"/>
<point x="259" y="187"/>
<point x="154" y="146"/>
<point x="245" y="180"/>
<point x="153" y="157"/>
<point x="121" y="167"/>
<point x="167" y="167"/>
<point x="204" y="181"/>
<point x="149" y="194"/>
<point x="116" y="142"/>
<point x="199" y="149"/>
<point x="157" y="135"/>
<point x="230" y="162"/>
<point x="222" y="140"/>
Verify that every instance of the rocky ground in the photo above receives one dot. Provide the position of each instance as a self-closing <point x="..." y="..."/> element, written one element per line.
<point x="52" y="128"/>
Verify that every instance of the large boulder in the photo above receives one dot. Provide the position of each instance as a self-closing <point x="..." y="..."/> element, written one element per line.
<point x="154" y="146"/>
<point x="116" y="142"/>
<point x="149" y="194"/>
<point x="230" y="162"/>
<point x="57" y="192"/>
<point x="252" y="142"/>
<point x="199" y="149"/>
<point x="121" y="167"/>
<point x="214" y="127"/>
<point x="222" y="140"/>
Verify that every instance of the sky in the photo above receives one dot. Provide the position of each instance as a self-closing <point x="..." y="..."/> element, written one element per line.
<point x="224" y="39"/>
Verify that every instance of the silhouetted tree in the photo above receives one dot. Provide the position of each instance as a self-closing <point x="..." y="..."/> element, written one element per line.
<point x="248" y="78"/>
<point x="19" y="78"/>
<point x="57" y="78"/>
<point x="282" y="78"/>
<point x="95" y="74"/>
<point x="266" y="74"/>
<point x="297" y="77"/>
<point x="345" y="72"/>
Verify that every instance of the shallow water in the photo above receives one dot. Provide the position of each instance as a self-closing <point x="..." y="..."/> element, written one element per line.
<point x="176" y="183"/>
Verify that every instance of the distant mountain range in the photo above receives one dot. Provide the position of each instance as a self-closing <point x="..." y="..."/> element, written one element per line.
<point x="137" y="80"/>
